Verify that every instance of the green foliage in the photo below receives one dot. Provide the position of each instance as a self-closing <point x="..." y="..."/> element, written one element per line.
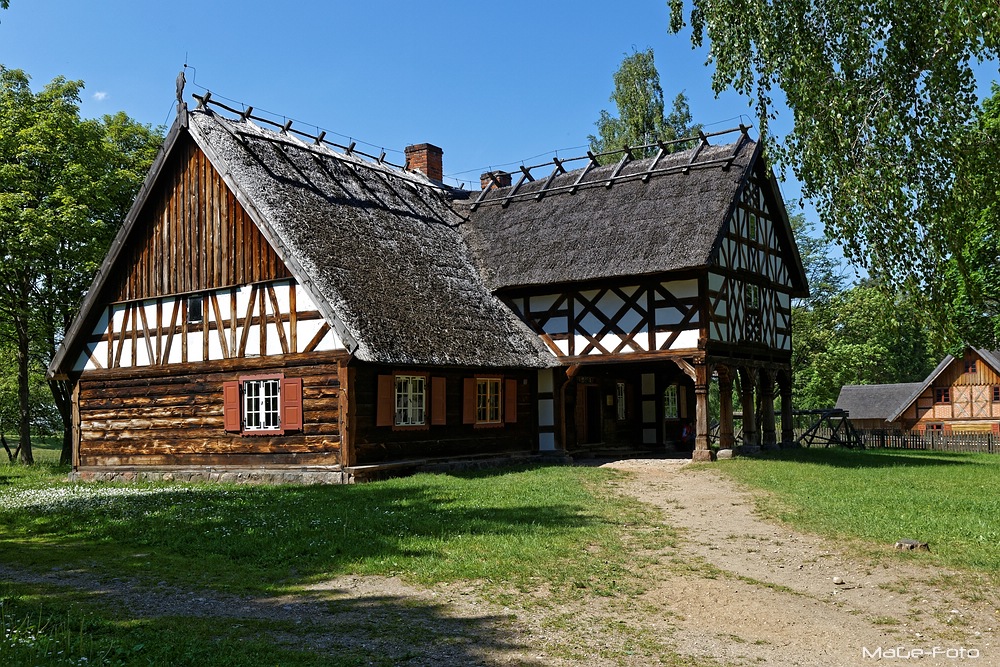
<point x="944" y="499"/>
<point x="66" y="184"/>
<point x="862" y="334"/>
<point x="880" y="94"/>
<point x="641" y="119"/>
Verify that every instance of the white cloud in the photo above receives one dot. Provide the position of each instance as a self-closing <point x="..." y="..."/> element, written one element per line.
<point x="100" y="96"/>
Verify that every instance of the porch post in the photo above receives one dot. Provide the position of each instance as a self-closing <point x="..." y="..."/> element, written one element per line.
<point x="726" y="439"/>
<point x="767" y="407"/>
<point x="701" y="449"/>
<point x="748" y="383"/>
<point x="787" y="427"/>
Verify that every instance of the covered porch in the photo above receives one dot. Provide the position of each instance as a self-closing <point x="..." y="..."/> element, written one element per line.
<point x="664" y="406"/>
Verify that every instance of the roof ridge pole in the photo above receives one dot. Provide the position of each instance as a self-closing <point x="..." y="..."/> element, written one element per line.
<point x="659" y="154"/>
<point x="590" y="165"/>
<point x="697" y="151"/>
<point x="626" y="157"/>
<point x="548" y="181"/>
<point x="525" y="174"/>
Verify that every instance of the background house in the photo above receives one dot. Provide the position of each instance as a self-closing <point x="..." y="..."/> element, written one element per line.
<point x="961" y="395"/>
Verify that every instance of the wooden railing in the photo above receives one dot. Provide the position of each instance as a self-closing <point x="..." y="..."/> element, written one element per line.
<point x="988" y="443"/>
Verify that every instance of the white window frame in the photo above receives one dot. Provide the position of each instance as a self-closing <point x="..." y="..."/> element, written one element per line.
<point x="261" y="404"/>
<point x="489" y="399"/>
<point x="410" y="400"/>
<point x="671" y="404"/>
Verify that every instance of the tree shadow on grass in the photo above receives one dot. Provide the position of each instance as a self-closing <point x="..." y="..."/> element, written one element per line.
<point x="266" y="537"/>
<point x="868" y="458"/>
<point x="338" y="625"/>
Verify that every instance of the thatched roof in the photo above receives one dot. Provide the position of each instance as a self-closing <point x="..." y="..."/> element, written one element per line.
<point x="379" y="246"/>
<point x="669" y="223"/>
<point x="876" y="401"/>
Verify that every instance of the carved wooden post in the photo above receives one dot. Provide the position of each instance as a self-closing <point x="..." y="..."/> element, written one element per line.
<point x="748" y="383"/>
<point x="726" y="439"/>
<point x="787" y="427"/>
<point x="767" y="407"/>
<point x="701" y="449"/>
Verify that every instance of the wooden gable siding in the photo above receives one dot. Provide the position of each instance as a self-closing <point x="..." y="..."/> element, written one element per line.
<point x="750" y="284"/>
<point x="193" y="235"/>
<point x="612" y="321"/>
<point x="159" y="416"/>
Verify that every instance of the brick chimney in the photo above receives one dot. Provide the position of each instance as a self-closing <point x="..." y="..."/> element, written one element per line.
<point x="425" y="158"/>
<point x="492" y="180"/>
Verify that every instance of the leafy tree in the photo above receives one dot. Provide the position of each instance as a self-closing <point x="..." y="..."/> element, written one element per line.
<point x="858" y="334"/>
<point x="641" y="119"/>
<point x="65" y="185"/>
<point x="880" y="93"/>
<point x="971" y="285"/>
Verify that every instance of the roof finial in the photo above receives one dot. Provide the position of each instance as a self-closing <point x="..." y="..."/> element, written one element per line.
<point x="181" y="80"/>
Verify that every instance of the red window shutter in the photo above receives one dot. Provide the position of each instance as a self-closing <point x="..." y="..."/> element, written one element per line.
<point x="469" y="401"/>
<point x="386" y="400"/>
<point x="510" y="401"/>
<point x="231" y="406"/>
<point x="291" y="404"/>
<point x="438" y="405"/>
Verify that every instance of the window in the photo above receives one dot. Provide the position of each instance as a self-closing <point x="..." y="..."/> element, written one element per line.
<point x="410" y="400"/>
<point x="753" y="297"/>
<point x="942" y="395"/>
<point x="620" y="397"/>
<point x="935" y="427"/>
<point x="488" y="400"/>
<point x="970" y="365"/>
<point x="996" y="393"/>
<point x="194" y="309"/>
<point x="263" y="405"/>
<point x="752" y="227"/>
<point x="670" y="403"/>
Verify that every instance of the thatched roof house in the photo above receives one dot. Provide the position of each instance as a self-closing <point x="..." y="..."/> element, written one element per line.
<point x="283" y="301"/>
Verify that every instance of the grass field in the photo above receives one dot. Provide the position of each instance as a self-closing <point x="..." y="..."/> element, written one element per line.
<point x="509" y="531"/>
<point x="949" y="500"/>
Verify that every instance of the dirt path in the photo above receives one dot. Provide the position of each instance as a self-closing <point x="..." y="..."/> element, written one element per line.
<point x="734" y="590"/>
<point x="775" y="599"/>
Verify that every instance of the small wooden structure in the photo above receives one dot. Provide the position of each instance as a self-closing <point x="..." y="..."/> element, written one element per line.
<point x="829" y="427"/>
<point x="278" y="301"/>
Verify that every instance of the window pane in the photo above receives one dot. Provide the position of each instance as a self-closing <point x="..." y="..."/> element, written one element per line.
<point x="262" y="405"/>
<point x="488" y="401"/>
<point x="410" y="399"/>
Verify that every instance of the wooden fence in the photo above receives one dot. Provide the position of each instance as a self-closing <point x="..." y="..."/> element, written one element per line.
<point x="987" y="443"/>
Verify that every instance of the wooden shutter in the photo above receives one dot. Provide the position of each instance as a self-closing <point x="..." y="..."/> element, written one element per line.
<point x="438" y="401"/>
<point x="291" y="404"/>
<point x="469" y="401"/>
<point x="510" y="401"/>
<point x="386" y="400"/>
<point x="231" y="406"/>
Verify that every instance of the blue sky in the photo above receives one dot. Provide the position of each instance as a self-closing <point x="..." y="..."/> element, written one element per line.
<point x="491" y="83"/>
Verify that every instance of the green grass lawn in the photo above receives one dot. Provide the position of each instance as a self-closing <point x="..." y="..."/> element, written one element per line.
<point x="506" y="529"/>
<point x="949" y="500"/>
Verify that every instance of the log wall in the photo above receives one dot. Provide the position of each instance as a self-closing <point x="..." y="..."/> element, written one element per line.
<point x="174" y="416"/>
<point x="377" y="444"/>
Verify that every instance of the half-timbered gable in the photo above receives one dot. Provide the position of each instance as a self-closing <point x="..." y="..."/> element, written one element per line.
<point x="755" y="271"/>
<point x="961" y="395"/>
